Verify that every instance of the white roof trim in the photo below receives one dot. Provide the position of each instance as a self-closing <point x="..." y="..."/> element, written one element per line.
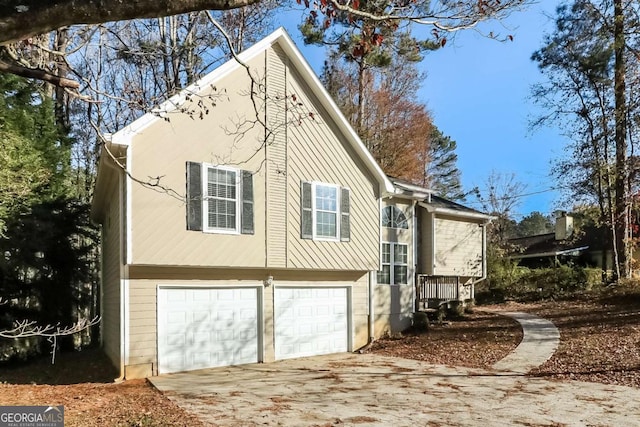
<point x="281" y="37"/>
<point x="456" y="213"/>
<point x="574" y="251"/>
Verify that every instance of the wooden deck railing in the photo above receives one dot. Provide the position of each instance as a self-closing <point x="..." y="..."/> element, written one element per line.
<point x="436" y="289"/>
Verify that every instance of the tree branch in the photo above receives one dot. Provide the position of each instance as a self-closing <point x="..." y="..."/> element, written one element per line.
<point x="33" y="73"/>
<point x="22" y="19"/>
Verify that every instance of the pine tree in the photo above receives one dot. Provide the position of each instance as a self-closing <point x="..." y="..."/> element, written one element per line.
<point x="441" y="171"/>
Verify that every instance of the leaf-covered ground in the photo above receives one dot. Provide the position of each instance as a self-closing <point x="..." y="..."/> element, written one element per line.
<point x="83" y="383"/>
<point x="600" y="341"/>
<point x="478" y="340"/>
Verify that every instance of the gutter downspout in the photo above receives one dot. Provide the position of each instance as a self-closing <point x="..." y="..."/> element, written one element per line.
<point x="414" y="242"/>
<point x="371" y="288"/>
<point x="484" y="261"/>
<point x="122" y="280"/>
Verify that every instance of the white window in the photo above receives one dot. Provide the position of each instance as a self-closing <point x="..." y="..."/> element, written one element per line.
<point x="394" y="264"/>
<point x="325" y="212"/>
<point x="392" y="217"/>
<point x="219" y="199"/>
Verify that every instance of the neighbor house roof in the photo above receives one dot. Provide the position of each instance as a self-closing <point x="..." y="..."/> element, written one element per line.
<point x="281" y="38"/>
<point x="546" y="245"/>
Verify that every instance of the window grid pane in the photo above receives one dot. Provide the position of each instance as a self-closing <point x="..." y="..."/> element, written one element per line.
<point x="386" y="217"/>
<point x="394" y="264"/>
<point x="400" y="274"/>
<point x="384" y="276"/>
<point x="222" y="198"/>
<point x="326" y="199"/>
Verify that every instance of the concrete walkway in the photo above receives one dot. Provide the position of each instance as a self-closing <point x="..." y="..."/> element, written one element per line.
<point x="539" y="341"/>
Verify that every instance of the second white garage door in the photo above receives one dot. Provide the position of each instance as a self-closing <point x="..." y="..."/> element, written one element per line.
<point x="206" y="327"/>
<point x="310" y="321"/>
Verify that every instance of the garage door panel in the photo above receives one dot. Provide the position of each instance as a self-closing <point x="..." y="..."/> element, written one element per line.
<point x="310" y="321"/>
<point x="206" y="327"/>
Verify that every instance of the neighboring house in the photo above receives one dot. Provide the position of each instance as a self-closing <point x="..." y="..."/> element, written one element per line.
<point x="563" y="245"/>
<point x="290" y="242"/>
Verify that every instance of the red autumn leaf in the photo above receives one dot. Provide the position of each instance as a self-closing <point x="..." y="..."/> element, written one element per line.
<point x="293" y="96"/>
<point x="510" y="37"/>
<point x="356" y="4"/>
<point x="314" y="14"/>
<point x="327" y="23"/>
<point x="357" y="51"/>
<point x="443" y="42"/>
<point x="377" y="39"/>
<point x="323" y="3"/>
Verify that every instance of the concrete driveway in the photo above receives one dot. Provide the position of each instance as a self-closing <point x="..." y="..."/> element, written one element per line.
<point x="372" y="390"/>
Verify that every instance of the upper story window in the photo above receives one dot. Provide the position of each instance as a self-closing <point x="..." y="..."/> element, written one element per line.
<point x="325" y="212"/>
<point x="393" y="217"/>
<point x="219" y="199"/>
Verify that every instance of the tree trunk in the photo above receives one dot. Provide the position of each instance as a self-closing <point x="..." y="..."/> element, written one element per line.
<point x="621" y="224"/>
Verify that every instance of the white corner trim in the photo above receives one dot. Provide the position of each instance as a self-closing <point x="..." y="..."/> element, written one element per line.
<point x="129" y="204"/>
<point x="126" y="317"/>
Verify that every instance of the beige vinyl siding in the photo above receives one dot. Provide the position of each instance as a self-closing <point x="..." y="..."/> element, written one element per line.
<point x="111" y="256"/>
<point x="316" y="153"/>
<point x="394" y="304"/>
<point x="227" y="135"/>
<point x="425" y="241"/>
<point x="276" y="181"/>
<point x="142" y="327"/>
<point x="458" y="247"/>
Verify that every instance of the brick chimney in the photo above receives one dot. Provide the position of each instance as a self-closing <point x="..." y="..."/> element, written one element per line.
<point x="564" y="225"/>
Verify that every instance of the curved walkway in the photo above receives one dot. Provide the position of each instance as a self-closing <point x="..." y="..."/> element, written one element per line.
<point x="540" y="339"/>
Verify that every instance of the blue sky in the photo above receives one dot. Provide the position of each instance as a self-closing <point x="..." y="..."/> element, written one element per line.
<point x="478" y="90"/>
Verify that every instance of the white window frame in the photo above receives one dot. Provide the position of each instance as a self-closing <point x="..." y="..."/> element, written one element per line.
<point x="392" y="218"/>
<point x="392" y="262"/>
<point x="314" y="211"/>
<point x="206" y="197"/>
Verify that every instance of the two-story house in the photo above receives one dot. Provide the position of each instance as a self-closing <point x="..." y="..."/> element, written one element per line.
<point x="244" y="221"/>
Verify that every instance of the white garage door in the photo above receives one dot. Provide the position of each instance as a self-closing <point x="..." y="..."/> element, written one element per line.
<point x="310" y="321"/>
<point x="203" y="328"/>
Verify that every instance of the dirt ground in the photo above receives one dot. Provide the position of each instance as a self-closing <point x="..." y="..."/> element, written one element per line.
<point x="600" y="342"/>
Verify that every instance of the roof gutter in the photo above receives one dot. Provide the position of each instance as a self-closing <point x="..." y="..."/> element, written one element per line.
<point x="552" y="253"/>
<point x="452" y="212"/>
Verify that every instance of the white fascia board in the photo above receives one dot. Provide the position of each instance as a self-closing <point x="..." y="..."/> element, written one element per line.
<point x="574" y="251"/>
<point x="458" y="214"/>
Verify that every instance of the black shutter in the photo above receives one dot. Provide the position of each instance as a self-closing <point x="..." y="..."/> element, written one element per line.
<point x="247" y="203"/>
<point x="306" y="209"/>
<point x="345" y="216"/>
<point x="194" y="196"/>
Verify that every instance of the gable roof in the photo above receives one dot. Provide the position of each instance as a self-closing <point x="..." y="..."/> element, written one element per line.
<point x="281" y="38"/>
<point x="433" y="203"/>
